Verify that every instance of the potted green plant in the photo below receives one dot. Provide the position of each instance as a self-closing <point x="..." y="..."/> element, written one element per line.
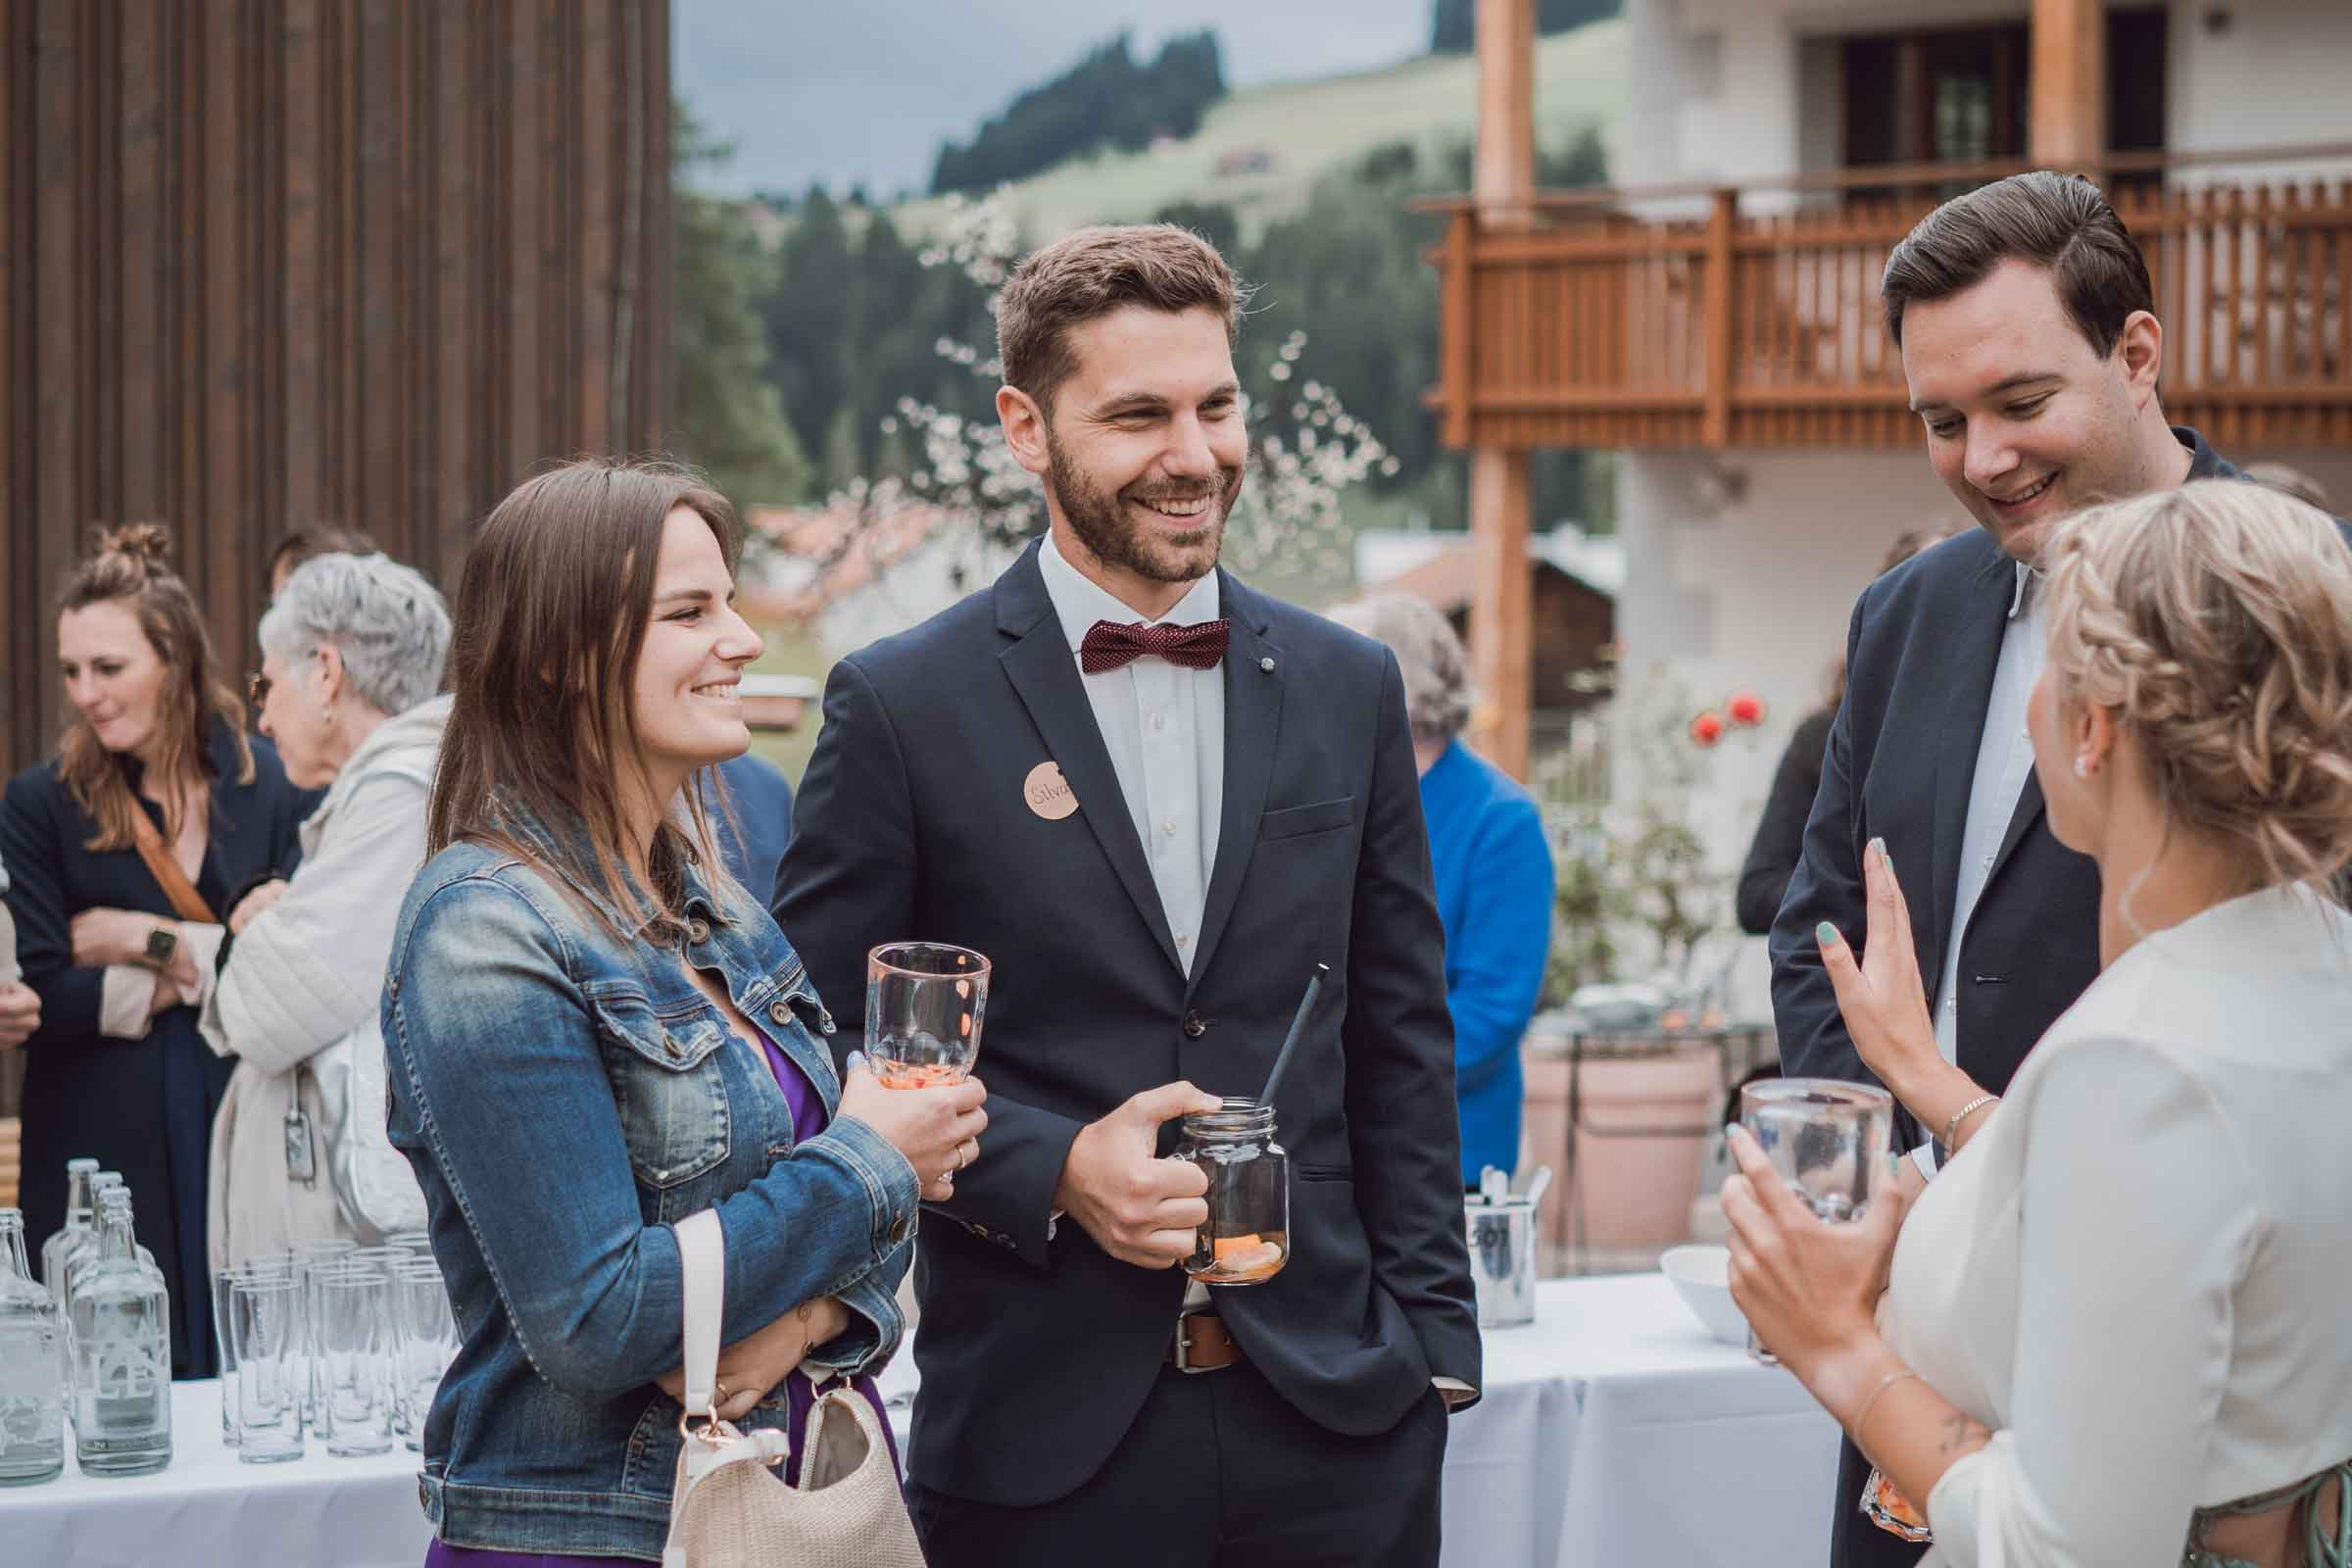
<point x="1636" y="902"/>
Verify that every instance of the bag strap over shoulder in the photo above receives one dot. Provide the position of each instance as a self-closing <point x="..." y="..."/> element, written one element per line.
<point x="186" y="902"/>
<point x="702" y="1260"/>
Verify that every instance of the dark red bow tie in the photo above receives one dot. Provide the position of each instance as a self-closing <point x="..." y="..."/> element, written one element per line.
<point x="1108" y="645"/>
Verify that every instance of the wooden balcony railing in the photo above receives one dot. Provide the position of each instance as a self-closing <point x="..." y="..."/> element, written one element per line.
<point x="1576" y="324"/>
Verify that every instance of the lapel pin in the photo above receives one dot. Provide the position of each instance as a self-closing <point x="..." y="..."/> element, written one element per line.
<point x="1048" y="792"/>
<point x="1266" y="665"/>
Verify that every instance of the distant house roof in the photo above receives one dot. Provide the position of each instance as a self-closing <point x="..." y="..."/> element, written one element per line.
<point x="1442" y="567"/>
<point x="828" y="553"/>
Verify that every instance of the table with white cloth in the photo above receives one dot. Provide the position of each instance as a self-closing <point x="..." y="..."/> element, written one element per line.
<point x="1613" y="1432"/>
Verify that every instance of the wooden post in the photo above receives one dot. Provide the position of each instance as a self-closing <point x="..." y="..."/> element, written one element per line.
<point x="1457" y="303"/>
<point x="2069" y="102"/>
<point x="1503" y="180"/>
<point x="1715" y="423"/>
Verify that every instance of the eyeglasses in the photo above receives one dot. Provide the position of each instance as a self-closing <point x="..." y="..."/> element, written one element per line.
<point x="257" y="689"/>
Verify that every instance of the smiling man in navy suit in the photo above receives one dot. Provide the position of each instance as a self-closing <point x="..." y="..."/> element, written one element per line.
<point x="2030" y="346"/>
<point x="1156" y="800"/>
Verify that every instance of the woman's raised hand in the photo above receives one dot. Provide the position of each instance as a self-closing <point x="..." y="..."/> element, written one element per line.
<point x="1879" y="994"/>
<point x="938" y="1130"/>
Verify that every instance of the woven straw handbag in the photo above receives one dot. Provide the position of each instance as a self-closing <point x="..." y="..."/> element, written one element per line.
<point x="731" y="1506"/>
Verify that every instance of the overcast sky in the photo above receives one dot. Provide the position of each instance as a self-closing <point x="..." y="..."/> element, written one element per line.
<point x="862" y="91"/>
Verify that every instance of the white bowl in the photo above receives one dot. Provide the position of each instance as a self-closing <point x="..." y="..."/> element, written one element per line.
<point x="1702" y="1277"/>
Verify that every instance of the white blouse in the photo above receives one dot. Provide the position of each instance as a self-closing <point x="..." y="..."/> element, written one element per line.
<point x="2138" y="1273"/>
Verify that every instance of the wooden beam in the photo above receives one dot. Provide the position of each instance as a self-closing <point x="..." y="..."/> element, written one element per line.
<point x="1501" y="609"/>
<point x="2069" y="75"/>
<point x="1503" y="181"/>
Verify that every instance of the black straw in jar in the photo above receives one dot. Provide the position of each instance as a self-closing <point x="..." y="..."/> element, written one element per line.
<point x="1290" y="1042"/>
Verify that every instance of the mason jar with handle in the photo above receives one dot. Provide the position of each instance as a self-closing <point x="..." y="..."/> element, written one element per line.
<point x="1247" y="1240"/>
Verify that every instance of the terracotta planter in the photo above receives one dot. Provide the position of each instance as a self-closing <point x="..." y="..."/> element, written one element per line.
<point x="1636" y="1193"/>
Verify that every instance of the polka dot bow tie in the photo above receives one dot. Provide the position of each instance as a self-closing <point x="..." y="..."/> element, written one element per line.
<point x="1108" y="645"/>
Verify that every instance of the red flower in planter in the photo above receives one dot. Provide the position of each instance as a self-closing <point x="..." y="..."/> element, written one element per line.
<point x="1744" y="708"/>
<point x="1708" y="728"/>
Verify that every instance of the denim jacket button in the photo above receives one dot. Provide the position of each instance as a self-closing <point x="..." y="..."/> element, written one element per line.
<point x="781" y="1012"/>
<point x="898" y="1229"/>
<point x="697" y="930"/>
<point x="670" y="1044"/>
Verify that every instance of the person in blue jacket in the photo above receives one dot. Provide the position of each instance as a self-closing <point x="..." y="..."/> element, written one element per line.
<point x="1492" y="869"/>
<point x="756" y="826"/>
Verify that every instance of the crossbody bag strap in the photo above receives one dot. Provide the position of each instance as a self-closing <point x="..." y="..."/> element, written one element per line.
<point x="702" y="1260"/>
<point x="186" y="902"/>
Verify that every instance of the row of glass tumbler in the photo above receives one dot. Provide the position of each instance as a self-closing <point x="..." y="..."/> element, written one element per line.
<point x="97" y="1328"/>
<point x="345" y="1342"/>
<point x="372" y="1324"/>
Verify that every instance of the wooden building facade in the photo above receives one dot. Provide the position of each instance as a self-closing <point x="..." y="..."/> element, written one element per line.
<point x="272" y="262"/>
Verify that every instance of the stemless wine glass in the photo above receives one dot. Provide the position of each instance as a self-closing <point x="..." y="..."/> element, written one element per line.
<point x="1827" y="1141"/>
<point x="924" y="1001"/>
<point x="424" y="1341"/>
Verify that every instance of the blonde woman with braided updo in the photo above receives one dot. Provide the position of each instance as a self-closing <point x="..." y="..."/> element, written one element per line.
<point x="2112" y="1328"/>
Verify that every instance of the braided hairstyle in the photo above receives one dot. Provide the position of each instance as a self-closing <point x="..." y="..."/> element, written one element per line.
<point x="2215" y="620"/>
<point x="131" y="564"/>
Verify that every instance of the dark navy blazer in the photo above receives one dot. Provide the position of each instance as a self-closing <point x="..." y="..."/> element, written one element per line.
<point x="1038" y="1350"/>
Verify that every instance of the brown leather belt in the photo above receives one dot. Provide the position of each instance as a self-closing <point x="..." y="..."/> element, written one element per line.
<point x="1202" y="1343"/>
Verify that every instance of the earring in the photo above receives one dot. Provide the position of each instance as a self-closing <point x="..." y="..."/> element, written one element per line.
<point x="2083" y="765"/>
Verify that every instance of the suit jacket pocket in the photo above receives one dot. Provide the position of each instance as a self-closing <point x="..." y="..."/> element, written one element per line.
<point x="1319" y="817"/>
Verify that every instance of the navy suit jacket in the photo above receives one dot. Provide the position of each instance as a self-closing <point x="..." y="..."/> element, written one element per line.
<point x="1900" y="765"/>
<point x="1036" y="1350"/>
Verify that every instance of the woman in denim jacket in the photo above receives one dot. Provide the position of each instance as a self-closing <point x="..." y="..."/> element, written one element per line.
<point x="594" y="1032"/>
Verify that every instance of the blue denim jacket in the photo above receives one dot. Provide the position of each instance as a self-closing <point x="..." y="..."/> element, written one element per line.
<point x="565" y="1097"/>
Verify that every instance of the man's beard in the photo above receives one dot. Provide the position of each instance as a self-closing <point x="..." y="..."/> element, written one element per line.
<point x="1101" y="523"/>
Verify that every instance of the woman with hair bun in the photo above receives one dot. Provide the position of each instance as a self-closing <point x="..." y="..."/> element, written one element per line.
<point x="124" y="852"/>
<point x="2112" y="1330"/>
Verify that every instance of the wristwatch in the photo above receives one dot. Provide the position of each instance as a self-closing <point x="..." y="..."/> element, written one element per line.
<point x="161" y="943"/>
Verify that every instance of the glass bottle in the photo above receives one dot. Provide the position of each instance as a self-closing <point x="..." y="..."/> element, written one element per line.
<point x="121" y="1324"/>
<point x="81" y="1217"/>
<point x="1247" y="1237"/>
<point x="33" y="1398"/>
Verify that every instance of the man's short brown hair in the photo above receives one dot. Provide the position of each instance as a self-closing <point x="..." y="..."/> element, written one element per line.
<point x="1093" y="272"/>
<point x="2059" y="222"/>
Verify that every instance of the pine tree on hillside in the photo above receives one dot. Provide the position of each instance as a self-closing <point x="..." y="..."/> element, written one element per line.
<point x="1105" y="98"/>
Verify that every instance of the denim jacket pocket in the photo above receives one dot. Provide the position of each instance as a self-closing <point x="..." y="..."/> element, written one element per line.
<point x="668" y="1084"/>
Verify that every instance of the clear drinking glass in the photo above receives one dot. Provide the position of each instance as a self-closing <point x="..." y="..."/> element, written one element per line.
<point x="354" y="1392"/>
<point x="1827" y="1141"/>
<point x="1247" y="1237"/>
<point x="277" y="1265"/>
<point x="265" y="1331"/>
<point x="424" y="1341"/>
<point x="924" y="1001"/>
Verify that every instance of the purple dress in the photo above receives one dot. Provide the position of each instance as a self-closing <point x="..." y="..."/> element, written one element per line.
<point x="807" y="1120"/>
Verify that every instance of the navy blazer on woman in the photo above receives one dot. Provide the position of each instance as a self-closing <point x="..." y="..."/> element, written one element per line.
<point x="141" y="1106"/>
<point x="1038" y="1349"/>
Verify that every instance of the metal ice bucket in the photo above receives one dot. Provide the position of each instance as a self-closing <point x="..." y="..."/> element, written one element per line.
<point x="1502" y="1230"/>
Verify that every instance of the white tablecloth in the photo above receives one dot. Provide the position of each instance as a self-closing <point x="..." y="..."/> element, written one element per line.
<point x="1614" y="1434"/>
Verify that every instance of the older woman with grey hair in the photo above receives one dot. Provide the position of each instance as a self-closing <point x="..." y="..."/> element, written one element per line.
<point x="1492" y="864"/>
<point x="351" y="652"/>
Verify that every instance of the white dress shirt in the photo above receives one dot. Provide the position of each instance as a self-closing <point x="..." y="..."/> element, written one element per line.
<point x="1165" y="727"/>
<point x="2005" y="756"/>
<point x="2136" y="1272"/>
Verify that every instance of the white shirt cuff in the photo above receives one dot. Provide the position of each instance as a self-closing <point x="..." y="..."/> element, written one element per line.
<point x="1924" y="1157"/>
<point x="126" y="1000"/>
<point x="1455" y="1390"/>
<point x="202" y="945"/>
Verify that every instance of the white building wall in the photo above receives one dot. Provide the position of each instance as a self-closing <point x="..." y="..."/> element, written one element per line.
<point x="2274" y="75"/>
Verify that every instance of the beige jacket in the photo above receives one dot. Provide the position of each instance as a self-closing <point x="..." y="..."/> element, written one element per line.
<point x="307" y="974"/>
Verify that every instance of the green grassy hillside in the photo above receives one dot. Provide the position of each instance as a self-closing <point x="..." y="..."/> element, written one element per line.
<point x="1308" y="128"/>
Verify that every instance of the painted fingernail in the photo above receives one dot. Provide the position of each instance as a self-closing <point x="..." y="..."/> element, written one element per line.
<point x="1825" y="934"/>
<point x="856" y="1059"/>
<point x="1878" y="847"/>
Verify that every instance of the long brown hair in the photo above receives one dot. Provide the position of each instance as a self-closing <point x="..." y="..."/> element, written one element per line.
<point x="550" y="620"/>
<point x="132" y="566"/>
